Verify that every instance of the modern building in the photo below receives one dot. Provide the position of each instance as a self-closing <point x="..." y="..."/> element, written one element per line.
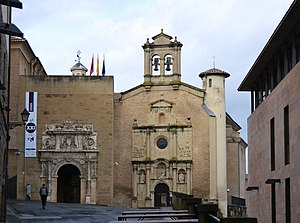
<point x="92" y="145"/>
<point x="274" y="125"/>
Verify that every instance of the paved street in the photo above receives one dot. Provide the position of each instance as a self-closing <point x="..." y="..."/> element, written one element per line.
<point x="31" y="211"/>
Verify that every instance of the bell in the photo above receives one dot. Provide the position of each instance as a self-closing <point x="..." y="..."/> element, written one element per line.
<point x="156" y="63"/>
<point x="168" y="63"/>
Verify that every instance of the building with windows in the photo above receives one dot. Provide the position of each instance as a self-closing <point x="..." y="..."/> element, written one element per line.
<point x="7" y="29"/>
<point x="94" y="146"/>
<point x="274" y="124"/>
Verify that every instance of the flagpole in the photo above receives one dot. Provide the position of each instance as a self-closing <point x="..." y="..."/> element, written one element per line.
<point x="97" y="68"/>
<point x="103" y="66"/>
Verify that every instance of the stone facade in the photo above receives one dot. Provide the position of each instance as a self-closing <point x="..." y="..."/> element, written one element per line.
<point x="260" y="161"/>
<point x="132" y="148"/>
<point x="273" y="126"/>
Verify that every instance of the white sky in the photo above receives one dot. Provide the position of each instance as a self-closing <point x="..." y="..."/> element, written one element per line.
<point x="234" y="31"/>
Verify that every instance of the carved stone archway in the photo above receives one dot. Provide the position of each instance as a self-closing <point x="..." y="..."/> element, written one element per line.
<point x="70" y="143"/>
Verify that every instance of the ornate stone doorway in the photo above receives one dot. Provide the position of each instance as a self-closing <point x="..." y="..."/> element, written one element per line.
<point x="68" y="159"/>
<point x="161" y="195"/>
<point x="68" y="184"/>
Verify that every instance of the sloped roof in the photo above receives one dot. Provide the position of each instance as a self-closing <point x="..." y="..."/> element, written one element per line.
<point x="214" y="71"/>
<point x="79" y="66"/>
<point x="290" y="22"/>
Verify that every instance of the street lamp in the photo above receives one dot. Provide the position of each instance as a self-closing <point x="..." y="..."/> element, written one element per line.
<point x="24" y="115"/>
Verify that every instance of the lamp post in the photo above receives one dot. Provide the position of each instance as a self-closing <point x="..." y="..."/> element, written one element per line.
<point x="24" y="115"/>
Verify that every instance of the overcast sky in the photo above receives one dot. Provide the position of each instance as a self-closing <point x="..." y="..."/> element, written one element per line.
<point x="234" y="31"/>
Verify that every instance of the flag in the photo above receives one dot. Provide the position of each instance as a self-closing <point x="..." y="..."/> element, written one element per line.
<point x="103" y="66"/>
<point x="97" y="68"/>
<point x="92" y="66"/>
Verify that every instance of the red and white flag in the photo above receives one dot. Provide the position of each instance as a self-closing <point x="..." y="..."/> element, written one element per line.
<point x="92" y="66"/>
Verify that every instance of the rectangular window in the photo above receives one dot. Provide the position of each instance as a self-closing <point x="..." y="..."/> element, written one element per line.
<point x="272" y="143"/>
<point x="286" y="136"/>
<point x="287" y="200"/>
<point x="273" y="202"/>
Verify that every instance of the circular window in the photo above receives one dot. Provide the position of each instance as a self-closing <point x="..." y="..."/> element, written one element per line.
<point x="162" y="143"/>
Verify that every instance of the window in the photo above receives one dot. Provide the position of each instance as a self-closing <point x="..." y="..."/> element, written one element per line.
<point x="273" y="202"/>
<point x="286" y="136"/>
<point x="161" y="118"/>
<point x="287" y="200"/>
<point x="162" y="143"/>
<point x="272" y="143"/>
<point x="210" y="82"/>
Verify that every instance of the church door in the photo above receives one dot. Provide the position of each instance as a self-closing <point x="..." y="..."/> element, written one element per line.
<point x="68" y="184"/>
<point x="161" y="195"/>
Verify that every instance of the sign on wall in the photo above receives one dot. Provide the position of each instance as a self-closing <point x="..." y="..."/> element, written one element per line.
<point x="31" y="125"/>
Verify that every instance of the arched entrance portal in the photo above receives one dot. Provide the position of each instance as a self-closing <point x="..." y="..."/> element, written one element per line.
<point x="161" y="195"/>
<point x="68" y="184"/>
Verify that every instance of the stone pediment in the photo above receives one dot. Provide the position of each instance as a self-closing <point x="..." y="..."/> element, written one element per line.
<point x="161" y="104"/>
<point x="162" y="39"/>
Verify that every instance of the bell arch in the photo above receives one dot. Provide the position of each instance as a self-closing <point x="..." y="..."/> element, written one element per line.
<point x="155" y="64"/>
<point x="168" y="64"/>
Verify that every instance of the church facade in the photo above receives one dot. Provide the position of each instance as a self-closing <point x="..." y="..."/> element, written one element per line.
<point x="130" y="149"/>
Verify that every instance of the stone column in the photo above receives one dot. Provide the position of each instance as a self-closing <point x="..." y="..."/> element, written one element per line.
<point x="135" y="180"/>
<point x="188" y="178"/>
<point x="57" y="143"/>
<point x="49" y="163"/>
<point x="93" y="190"/>
<point x="53" y="195"/>
<point x="174" y="177"/>
<point x="88" y="184"/>
<point x="84" y="197"/>
<point x="148" y="180"/>
<point x="147" y="61"/>
<point x="162" y="65"/>
<point x="174" y="136"/>
<point x="148" y="143"/>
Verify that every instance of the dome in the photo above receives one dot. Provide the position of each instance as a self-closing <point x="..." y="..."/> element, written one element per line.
<point x="214" y="71"/>
<point x="79" y="66"/>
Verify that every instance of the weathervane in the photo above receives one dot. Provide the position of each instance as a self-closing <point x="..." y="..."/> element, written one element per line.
<point x="78" y="56"/>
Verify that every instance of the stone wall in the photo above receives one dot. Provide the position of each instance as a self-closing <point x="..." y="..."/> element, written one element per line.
<point x="81" y="100"/>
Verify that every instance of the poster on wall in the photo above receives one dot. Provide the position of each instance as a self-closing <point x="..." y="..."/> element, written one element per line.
<point x="30" y="127"/>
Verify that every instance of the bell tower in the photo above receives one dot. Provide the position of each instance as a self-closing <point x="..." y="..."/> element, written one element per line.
<point x="162" y="60"/>
<point x="214" y="86"/>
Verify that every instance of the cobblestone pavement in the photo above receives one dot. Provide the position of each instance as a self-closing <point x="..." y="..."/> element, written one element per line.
<point x="31" y="211"/>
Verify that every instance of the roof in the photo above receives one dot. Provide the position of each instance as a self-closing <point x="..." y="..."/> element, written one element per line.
<point x="78" y="66"/>
<point x="161" y="40"/>
<point x="214" y="71"/>
<point x="27" y="46"/>
<point x="290" y="22"/>
<point x="234" y="124"/>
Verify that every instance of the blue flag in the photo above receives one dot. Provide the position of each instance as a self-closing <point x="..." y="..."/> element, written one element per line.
<point x="103" y="67"/>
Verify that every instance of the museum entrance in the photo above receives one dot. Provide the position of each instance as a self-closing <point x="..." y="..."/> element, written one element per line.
<point x="68" y="184"/>
<point x="161" y="195"/>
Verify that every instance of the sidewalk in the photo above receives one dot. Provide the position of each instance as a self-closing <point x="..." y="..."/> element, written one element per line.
<point x="11" y="217"/>
<point x="31" y="212"/>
